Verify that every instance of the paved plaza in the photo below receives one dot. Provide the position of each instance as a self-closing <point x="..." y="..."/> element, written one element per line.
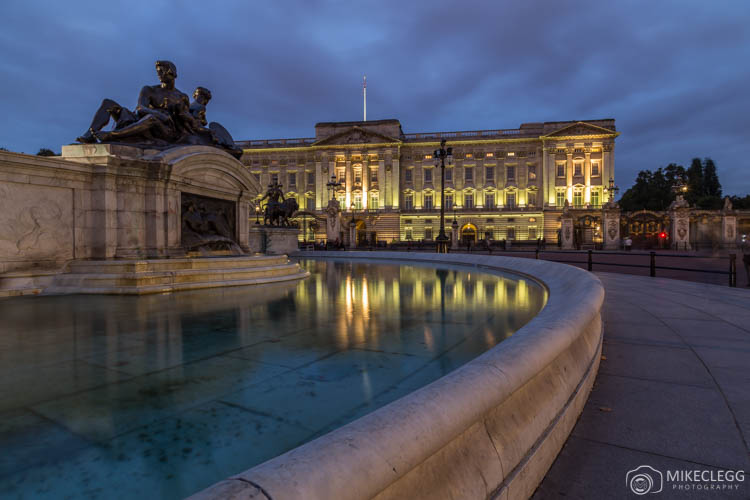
<point x="673" y="391"/>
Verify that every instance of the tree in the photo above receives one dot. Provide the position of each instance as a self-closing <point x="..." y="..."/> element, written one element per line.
<point x="694" y="181"/>
<point x="740" y="203"/>
<point x="46" y="152"/>
<point x="653" y="190"/>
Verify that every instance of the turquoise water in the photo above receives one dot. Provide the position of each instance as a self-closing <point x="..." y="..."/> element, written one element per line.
<point x="161" y="396"/>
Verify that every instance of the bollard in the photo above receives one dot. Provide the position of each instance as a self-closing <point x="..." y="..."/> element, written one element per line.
<point x="591" y="261"/>
<point x="653" y="264"/>
<point x="733" y="270"/>
<point x="536" y="254"/>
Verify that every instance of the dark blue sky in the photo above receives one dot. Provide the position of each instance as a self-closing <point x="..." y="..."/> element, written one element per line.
<point x="675" y="75"/>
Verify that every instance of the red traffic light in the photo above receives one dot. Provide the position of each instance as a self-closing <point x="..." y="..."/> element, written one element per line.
<point x="662" y="235"/>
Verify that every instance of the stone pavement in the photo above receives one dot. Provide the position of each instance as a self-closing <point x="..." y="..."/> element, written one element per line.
<point x="673" y="392"/>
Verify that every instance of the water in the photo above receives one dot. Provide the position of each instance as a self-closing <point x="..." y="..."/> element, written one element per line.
<point x="160" y="396"/>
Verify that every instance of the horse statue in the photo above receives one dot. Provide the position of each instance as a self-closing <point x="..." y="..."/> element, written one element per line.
<point x="280" y="212"/>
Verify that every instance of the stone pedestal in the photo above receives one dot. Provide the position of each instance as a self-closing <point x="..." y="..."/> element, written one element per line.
<point x="611" y="227"/>
<point x="680" y="228"/>
<point x="333" y="221"/>
<point x="273" y="240"/>
<point x="454" y="236"/>
<point x="567" y="233"/>
<point x="729" y="230"/>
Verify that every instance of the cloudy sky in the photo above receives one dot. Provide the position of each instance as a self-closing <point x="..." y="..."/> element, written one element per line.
<point x="674" y="74"/>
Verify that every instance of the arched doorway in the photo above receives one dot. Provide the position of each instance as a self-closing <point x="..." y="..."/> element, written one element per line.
<point x="468" y="233"/>
<point x="361" y="232"/>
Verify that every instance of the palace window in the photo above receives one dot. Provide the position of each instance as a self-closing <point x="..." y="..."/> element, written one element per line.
<point x="469" y="155"/>
<point x="595" y="198"/>
<point x="468" y="200"/>
<point x="448" y="175"/>
<point x="341" y="175"/>
<point x="490" y="155"/>
<point x="510" y="233"/>
<point x="407" y="175"/>
<point x="560" y="198"/>
<point x="594" y="169"/>
<point x="409" y="235"/>
<point x="428" y="175"/>
<point x="468" y="174"/>
<point x="532" y="232"/>
<point x="341" y="198"/>
<point x="490" y="174"/>
<point x="428" y="233"/>
<point x="577" y="169"/>
<point x="310" y="202"/>
<point x="374" y="201"/>
<point x="358" y="176"/>
<point x="448" y="201"/>
<point x="578" y="199"/>
<point x="510" y="200"/>
<point x="511" y="173"/>
<point x="409" y="201"/>
<point x="310" y="178"/>
<point x="561" y="170"/>
<point x="489" y="200"/>
<point x="292" y="179"/>
<point x="373" y="175"/>
<point x="357" y="201"/>
<point x="531" y="197"/>
<point x="532" y="172"/>
<point x="428" y="201"/>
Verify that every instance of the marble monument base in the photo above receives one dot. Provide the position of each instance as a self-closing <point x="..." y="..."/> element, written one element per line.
<point x="272" y="240"/>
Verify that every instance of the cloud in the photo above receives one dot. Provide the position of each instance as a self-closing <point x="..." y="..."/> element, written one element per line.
<point x="671" y="73"/>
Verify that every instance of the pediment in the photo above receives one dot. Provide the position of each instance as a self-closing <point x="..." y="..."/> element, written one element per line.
<point x="356" y="135"/>
<point x="580" y="128"/>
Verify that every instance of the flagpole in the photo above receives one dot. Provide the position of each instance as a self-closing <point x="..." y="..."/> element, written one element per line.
<point x="364" y="94"/>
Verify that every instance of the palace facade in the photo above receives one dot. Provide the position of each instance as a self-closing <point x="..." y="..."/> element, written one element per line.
<point x="509" y="184"/>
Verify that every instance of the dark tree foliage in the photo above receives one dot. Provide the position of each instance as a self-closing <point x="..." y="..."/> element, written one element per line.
<point x="655" y="190"/>
<point x="46" y="152"/>
<point x="742" y="203"/>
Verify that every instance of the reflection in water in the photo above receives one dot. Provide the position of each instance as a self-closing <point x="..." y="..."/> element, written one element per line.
<point x="162" y="395"/>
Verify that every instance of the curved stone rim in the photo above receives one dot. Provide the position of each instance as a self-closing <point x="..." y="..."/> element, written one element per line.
<point x="489" y="419"/>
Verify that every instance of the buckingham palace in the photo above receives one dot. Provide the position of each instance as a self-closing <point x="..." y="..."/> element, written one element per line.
<point x="503" y="184"/>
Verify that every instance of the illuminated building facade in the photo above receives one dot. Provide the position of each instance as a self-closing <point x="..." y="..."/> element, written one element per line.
<point x="507" y="184"/>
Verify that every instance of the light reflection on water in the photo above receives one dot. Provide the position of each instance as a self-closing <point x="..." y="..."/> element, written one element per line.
<point x="160" y="396"/>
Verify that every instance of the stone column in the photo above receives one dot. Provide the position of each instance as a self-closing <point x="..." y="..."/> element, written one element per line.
<point x="383" y="183"/>
<point x="454" y="235"/>
<point x="395" y="183"/>
<point x="587" y="177"/>
<point x="611" y="226"/>
<point x="320" y="186"/>
<point x="680" y="215"/>
<point x="349" y="181"/>
<point x="567" y="233"/>
<point x="569" y="178"/>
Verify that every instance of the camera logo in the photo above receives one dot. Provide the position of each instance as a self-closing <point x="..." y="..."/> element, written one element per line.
<point x="644" y="479"/>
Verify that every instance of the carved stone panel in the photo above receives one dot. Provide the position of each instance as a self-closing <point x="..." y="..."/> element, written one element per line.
<point x="207" y="222"/>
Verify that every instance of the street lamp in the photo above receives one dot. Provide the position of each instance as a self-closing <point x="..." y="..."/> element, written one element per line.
<point x="440" y="156"/>
<point x="611" y="190"/>
<point x="333" y="185"/>
<point x="257" y="214"/>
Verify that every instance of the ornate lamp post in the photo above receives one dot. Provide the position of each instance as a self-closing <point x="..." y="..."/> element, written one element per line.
<point x="440" y="156"/>
<point x="257" y="214"/>
<point x="611" y="190"/>
<point x="333" y="185"/>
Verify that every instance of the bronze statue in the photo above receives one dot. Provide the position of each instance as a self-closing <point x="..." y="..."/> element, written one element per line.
<point x="163" y="118"/>
<point x="278" y="210"/>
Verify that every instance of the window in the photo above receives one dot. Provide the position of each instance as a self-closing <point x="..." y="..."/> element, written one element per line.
<point x="578" y="199"/>
<point x="428" y="175"/>
<point x="310" y="202"/>
<point x="531" y="197"/>
<point x="595" y="169"/>
<point x="490" y="174"/>
<point x="511" y="233"/>
<point x="373" y="201"/>
<point x="408" y="201"/>
<point x="490" y="155"/>
<point x="532" y="232"/>
<point x="274" y="178"/>
<point x="409" y="235"/>
<point x="532" y="172"/>
<point x="489" y="200"/>
<point x="448" y="201"/>
<point x="577" y="169"/>
<point x="358" y="176"/>
<point x="374" y="175"/>
<point x="510" y="200"/>
<point x="468" y="200"/>
<point x="428" y="233"/>
<point x="448" y="175"/>
<point x="407" y="175"/>
<point x="469" y="155"/>
<point x="292" y="179"/>
<point x="511" y="173"/>
<point x="469" y="174"/>
<point x="595" y="198"/>
<point x="341" y="175"/>
<point x="357" y="201"/>
<point x="561" y="170"/>
<point x="311" y="178"/>
<point x="428" y="201"/>
<point x="560" y="198"/>
<point x="341" y="198"/>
